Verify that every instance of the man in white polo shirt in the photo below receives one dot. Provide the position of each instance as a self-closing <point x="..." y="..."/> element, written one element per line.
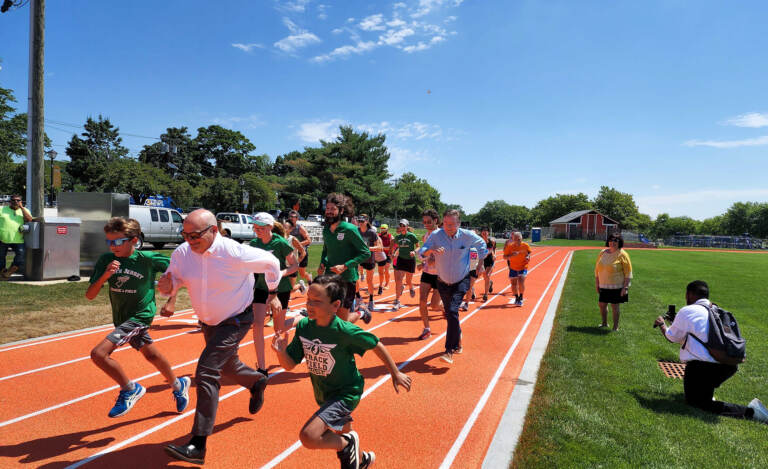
<point x="218" y="273"/>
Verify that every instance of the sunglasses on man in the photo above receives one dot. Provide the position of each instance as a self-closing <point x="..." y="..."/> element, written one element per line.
<point x="195" y="235"/>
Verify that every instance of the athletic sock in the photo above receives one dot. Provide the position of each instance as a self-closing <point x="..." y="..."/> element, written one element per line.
<point x="130" y="386"/>
<point x="520" y="297"/>
<point x="198" y="441"/>
<point x="176" y="385"/>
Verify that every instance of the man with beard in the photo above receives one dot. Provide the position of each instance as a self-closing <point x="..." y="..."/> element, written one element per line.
<point x="343" y="250"/>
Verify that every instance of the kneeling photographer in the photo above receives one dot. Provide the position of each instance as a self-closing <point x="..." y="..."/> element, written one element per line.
<point x="703" y="373"/>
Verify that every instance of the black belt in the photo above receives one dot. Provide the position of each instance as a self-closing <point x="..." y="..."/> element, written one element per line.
<point x="439" y="280"/>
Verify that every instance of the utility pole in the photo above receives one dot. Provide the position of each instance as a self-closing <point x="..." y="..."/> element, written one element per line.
<point x="35" y="109"/>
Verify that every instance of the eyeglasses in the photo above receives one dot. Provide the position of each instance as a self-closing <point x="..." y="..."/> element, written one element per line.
<point x="118" y="241"/>
<point x="15" y="200"/>
<point x="613" y="240"/>
<point x="195" y="235"/>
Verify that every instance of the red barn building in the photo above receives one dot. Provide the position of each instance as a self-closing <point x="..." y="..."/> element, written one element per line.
<point x="584" y="224"/>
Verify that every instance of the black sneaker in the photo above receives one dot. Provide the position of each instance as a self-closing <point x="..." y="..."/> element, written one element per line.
<point x="490" y="287"/>
<point x="257" y="395"/>
<point x="350" y="455"/>
<point x="380" y="290"/>
<point x="263" y="371"/>
<point x="366" y="459"/>
<point x="188" y="453"/>
<point x="365" y="315"/>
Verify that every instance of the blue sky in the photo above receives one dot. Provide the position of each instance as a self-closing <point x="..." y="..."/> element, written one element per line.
<point x="513" y="100"/>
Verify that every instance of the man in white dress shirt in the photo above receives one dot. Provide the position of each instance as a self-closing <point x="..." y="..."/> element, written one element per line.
<point x="218" y="273"/>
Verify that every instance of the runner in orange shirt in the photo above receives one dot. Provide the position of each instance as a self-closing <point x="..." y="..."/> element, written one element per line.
<point x="517" y="254"/>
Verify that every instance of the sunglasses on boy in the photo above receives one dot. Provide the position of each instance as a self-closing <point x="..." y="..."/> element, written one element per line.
<point x="118" y="241"/>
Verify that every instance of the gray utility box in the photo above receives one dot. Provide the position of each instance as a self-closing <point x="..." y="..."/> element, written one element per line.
<point x="94" y="209"/>
<point x="53" y="248"/>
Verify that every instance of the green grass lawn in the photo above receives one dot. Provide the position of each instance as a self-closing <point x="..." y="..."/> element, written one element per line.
<point x="601" y="399"/>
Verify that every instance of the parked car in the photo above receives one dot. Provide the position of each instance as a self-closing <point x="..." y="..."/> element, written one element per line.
<point x="158" y="225"/>
<point x="315" y="217"/>
<point x="237" y="226"/>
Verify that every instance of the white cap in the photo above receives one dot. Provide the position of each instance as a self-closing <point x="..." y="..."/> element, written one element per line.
<point x="404" y="222"/>
<point x="263" y="219"/>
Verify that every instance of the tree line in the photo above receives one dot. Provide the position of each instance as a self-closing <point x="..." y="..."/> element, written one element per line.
<point x="219" y="168"/>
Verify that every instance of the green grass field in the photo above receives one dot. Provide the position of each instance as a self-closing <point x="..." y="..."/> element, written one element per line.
<point x="601" y="399"/>
<point x="570" y="242"/>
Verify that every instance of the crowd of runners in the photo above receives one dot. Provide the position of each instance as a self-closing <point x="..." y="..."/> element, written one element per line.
<point x="235" y="289"/>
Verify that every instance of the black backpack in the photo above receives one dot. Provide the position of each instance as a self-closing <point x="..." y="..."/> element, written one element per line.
<point x="724" y="343"/>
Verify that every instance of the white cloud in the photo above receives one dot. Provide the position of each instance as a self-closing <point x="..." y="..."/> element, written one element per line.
<point x="419" y="131"/>
<point x="313" y="132"/>
<point x="749" y="142"/>
<point x="402" y="158"/>
<point x="751" y="119"/>
<point x="247" y="47"/>
<point x="426" y="7"/>
<point x="396" y="36"/>
<point x="372" y="23"/>
<point x="253" y="121"/>
<point x="321" y="14"/>
<point x="295" y="6"/>
<point x="399" y="5"/>
<point x="337" y="31"/>
<point x="299" y="38"/>
<point x="396" y="23"/>
<point x="344" y="51"/>
<point x="416" y="47"/>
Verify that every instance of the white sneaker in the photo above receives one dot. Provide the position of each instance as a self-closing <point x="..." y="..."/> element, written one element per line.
<point x="396" y="305"/>
<point x="464" y="306"/>
<point x="302" y="287"/>
<point x="761" y="413"/>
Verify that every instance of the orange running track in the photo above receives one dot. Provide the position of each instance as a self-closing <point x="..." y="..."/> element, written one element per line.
<point x="54" y="401"/>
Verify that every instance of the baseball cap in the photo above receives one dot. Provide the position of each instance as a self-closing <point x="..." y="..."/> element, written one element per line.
<point x="384" y="226"/>
<point x="263" y="219"/>
<point x="404" y="222"/>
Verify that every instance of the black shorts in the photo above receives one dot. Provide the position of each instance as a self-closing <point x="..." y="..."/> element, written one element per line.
<point x="612" y="296"/>
<point x="473" y="273"/>
<point x="349" y="296"/>
<point x="488" y="261"/>
<point x="304" y="262"/>
<point x="293" y="275"/>
<point x="384" y="262"/>
<point x="368" y="266"/>
<point x="429" y="279"/>
<point x="260" y="297"/>
<point x="406" y="265"/>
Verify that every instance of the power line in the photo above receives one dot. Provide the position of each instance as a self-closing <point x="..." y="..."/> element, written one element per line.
<point x="78" y="126"/>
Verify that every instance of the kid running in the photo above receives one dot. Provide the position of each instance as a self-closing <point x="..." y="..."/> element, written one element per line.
<point x="405" y="244"/>
<point x="328" y="344"/>
<point x="518" y="255"/>
<point x="131" y="277"/>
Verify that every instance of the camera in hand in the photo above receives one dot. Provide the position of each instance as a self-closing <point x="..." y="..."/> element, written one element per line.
<point x="670" y="314"/>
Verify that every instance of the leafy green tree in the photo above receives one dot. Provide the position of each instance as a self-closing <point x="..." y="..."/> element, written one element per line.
<point x="558" y="205"/>
<point x="140" y="180"/>
<point x="739" y="218"/>
<point x="222" y="194"/>
<point x="619" y="206"/>
<point x="640" y="222"/>
<point x="411" y="196"/>
<point x="501" y="216"/>
<point x="224" y="153"/>
<point x="665" y="226"/>
<point x="176" y="153"/>
<point x="91" y="155"/>
<point x="261" y="193"/>
<point x="13" y="129"/>
<point x="711" y="226"/>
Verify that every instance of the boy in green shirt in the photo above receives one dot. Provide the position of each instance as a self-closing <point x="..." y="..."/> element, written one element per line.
<point x="405" y="245"/>
<point x="328" y="344"/>
<point x="131" y="277"/>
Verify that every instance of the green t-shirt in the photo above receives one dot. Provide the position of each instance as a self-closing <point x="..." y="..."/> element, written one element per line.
<point x="280" y="247"/>
<point x="10" y="221"/>
<point x="329" y="352"/>
<point x="132" y="287"/>
<point x="344" y="246"/>
<point x="407" y="243"/>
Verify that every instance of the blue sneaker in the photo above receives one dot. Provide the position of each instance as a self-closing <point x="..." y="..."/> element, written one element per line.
<point x="125" y="401"/>
<point x="182" y="395"/>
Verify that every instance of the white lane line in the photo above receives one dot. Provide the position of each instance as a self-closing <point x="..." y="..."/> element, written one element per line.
<point x="96" y="330"/>
<point x="454" y="451"/>
<point x="297" y="444"/>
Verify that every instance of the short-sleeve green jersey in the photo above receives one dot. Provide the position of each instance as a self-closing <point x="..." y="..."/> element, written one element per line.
<point x="132" y="287"/>
<point x="280" y="247"/>
<point x="344" y="246"/>
<point x="329" y="352"/>
<point x="407" y="243"/>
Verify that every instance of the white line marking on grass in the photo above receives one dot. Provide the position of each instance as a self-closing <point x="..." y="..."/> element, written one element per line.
<point x="297" y="444"/>
<point x="454" y="451"/>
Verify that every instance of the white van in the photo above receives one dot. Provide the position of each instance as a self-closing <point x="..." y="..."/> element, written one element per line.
<point x="158" y="225"/>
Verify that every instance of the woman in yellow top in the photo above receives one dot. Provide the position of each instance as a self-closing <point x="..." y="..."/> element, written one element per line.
<point x="613" y="274"/>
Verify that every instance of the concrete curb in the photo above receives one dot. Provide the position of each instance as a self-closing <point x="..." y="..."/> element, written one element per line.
<point x="502" y="448"/>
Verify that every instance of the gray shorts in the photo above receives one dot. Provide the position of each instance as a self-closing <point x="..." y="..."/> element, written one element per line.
<point x="133" y="332"/>
<point x="335" y="414"/>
